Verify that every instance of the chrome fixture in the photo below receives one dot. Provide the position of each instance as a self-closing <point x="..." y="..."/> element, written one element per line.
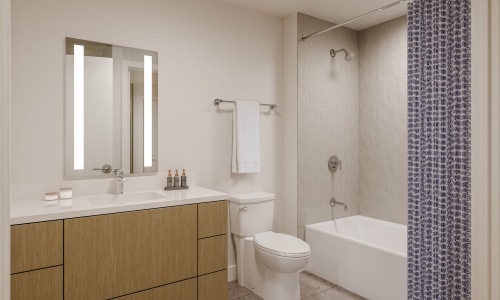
<point x="106" y="168"/>
<point x="348" y="55"/>
<point x="334" y="164"/>
<point x="219" y="101"/>
<point x="304" y="38"/>
<point x="121" y="179"/>
<point x="334" y="202"/>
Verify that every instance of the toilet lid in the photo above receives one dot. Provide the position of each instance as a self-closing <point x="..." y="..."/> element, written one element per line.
<point x="281" y="244"/>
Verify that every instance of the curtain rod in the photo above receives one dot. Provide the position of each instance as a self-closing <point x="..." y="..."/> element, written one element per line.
<point x="304" y="38"/>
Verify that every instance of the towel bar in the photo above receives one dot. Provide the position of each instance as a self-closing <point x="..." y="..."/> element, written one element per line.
<point x="219" y="101"/>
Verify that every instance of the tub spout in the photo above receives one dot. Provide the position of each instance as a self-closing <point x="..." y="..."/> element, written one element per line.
<point x="334" y="202"/>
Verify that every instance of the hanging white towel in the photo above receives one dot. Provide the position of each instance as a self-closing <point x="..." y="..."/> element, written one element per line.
<point x="246" y="146"/>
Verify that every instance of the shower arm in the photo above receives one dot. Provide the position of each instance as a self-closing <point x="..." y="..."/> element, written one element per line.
<point x="304" y="38"/>
<point x="333" y="53"/>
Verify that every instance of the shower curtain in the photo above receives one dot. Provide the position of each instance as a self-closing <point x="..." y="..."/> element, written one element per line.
<point x="439" y="175"/>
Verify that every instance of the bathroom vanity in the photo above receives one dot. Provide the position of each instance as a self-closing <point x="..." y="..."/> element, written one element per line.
<point x="170" y="248"/>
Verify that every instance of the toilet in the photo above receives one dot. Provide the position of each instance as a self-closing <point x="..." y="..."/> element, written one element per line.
<point x="268" y="263"/>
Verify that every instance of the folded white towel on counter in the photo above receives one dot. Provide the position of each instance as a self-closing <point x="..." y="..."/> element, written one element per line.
<point x="246" y="145"/>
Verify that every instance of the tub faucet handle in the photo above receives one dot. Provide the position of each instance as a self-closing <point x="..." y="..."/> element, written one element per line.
<point x="334" y="163"/>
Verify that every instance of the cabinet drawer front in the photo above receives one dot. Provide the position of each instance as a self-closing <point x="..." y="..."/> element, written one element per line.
<point x="44" y="284"/>
<point x="213" y="286"/>
<point x="35" y="246"/>
<point x="212" y="219"/>
<point x="212" y="254"/>
<point x="114" y="255"/>
<point x="184" y="290"/>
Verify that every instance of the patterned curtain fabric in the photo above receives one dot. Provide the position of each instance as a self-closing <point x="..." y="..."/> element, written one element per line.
<point x="439" y="176"/>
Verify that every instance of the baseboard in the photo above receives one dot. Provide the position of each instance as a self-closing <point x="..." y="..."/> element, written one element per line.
<point x="231" y="273"/>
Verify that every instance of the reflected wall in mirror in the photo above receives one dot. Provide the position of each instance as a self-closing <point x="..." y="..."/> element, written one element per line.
<point x="111" y="110"/>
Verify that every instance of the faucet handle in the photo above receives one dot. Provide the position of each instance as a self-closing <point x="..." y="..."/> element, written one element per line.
<point x="334" y="164"/>
<point x="106" y="168"/>
<point x="119" y="173"/>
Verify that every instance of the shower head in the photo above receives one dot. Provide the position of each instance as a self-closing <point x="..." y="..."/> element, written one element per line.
<point x="348" y="55"/>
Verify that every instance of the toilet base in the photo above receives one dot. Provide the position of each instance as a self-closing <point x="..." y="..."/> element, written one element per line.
<point x="259" y="279"/>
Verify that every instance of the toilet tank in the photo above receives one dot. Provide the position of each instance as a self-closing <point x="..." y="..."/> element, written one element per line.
<point x="251" y="213"/>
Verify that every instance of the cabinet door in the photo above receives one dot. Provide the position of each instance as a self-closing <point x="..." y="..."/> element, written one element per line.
<point x="35" y="246"/>
<point x="184" y="290"/>
<point x="212" y="254"/>
<point x="212" y="219"/>
<point x="213" y="286"/>
<point x="113" y="255"/>
<point x="44" y="284"/>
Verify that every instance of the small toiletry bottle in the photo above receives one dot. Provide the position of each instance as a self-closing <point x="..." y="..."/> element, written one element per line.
<point x="183" y="178"/>
<point x="169" y="179"/>
<point x="176" y="179"/>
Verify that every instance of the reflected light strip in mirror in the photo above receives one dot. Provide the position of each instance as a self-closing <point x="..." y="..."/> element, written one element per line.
<point x="78" y="107"/>
<point x="148" y="111"/>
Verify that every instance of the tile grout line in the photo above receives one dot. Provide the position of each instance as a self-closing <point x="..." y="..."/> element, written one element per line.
<point x="315" y="278"/>
<point x="317" y="293"/>
<point x="333" y="286"/>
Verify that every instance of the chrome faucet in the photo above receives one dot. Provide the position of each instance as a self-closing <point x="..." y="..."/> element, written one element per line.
<point x="121" y="180"/>
<point x="334" y="202"/>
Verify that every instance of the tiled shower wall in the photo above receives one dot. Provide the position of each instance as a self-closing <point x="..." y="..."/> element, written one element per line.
<point x="366" y="130"/>
<point x="382" y="150"/>
<point x="327" y="122"/>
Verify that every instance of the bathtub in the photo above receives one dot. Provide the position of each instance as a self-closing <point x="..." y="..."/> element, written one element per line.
<point x="364" y="255"/>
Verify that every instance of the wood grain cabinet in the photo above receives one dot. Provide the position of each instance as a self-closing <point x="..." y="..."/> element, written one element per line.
<point x="212" y="250"/>
<point x="212" y="254"/>
<point x="36" y="245"/>
<point x="43" y="284"/>
<point x="183" y="290"/>
<point x="177" y="252"/>
<point x="212" y="219"/>
<point x="114" y="255"/>
<point x="213" y="286"/>
<point x="36" y="259"/>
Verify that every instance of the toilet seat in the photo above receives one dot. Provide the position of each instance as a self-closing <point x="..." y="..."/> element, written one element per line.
<point x="282" y="245"/>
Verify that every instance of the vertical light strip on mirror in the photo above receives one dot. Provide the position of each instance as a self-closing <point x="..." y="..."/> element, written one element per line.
<point x="78" y="89"/>
<point x="148" y="111"/>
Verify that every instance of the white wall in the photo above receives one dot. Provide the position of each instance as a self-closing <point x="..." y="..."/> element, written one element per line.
<point x="5" y="151"/>
<point x="207" y="50"/>
<point x="485" y="165"/>
<point x="495" y="142"/>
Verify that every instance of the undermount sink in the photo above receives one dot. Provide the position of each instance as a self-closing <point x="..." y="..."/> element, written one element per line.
<point x="123" y="198"/>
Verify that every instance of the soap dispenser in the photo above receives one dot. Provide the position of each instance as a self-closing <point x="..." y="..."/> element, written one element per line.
<point x="183" y="178"/>
<point x="169" y="179"/>
<point x="176" y="179"/>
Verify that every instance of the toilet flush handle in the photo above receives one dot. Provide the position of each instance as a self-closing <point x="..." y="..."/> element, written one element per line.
<point x="244" y="208"/>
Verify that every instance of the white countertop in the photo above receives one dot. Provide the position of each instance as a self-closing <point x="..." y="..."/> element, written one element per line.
<point x="30" y="211"/>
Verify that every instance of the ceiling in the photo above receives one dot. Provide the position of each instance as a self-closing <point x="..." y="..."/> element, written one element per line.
<point x="335" y="11"/>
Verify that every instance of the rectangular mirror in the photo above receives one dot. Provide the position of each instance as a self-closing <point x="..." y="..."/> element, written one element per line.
<point x="111" y="110"/>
